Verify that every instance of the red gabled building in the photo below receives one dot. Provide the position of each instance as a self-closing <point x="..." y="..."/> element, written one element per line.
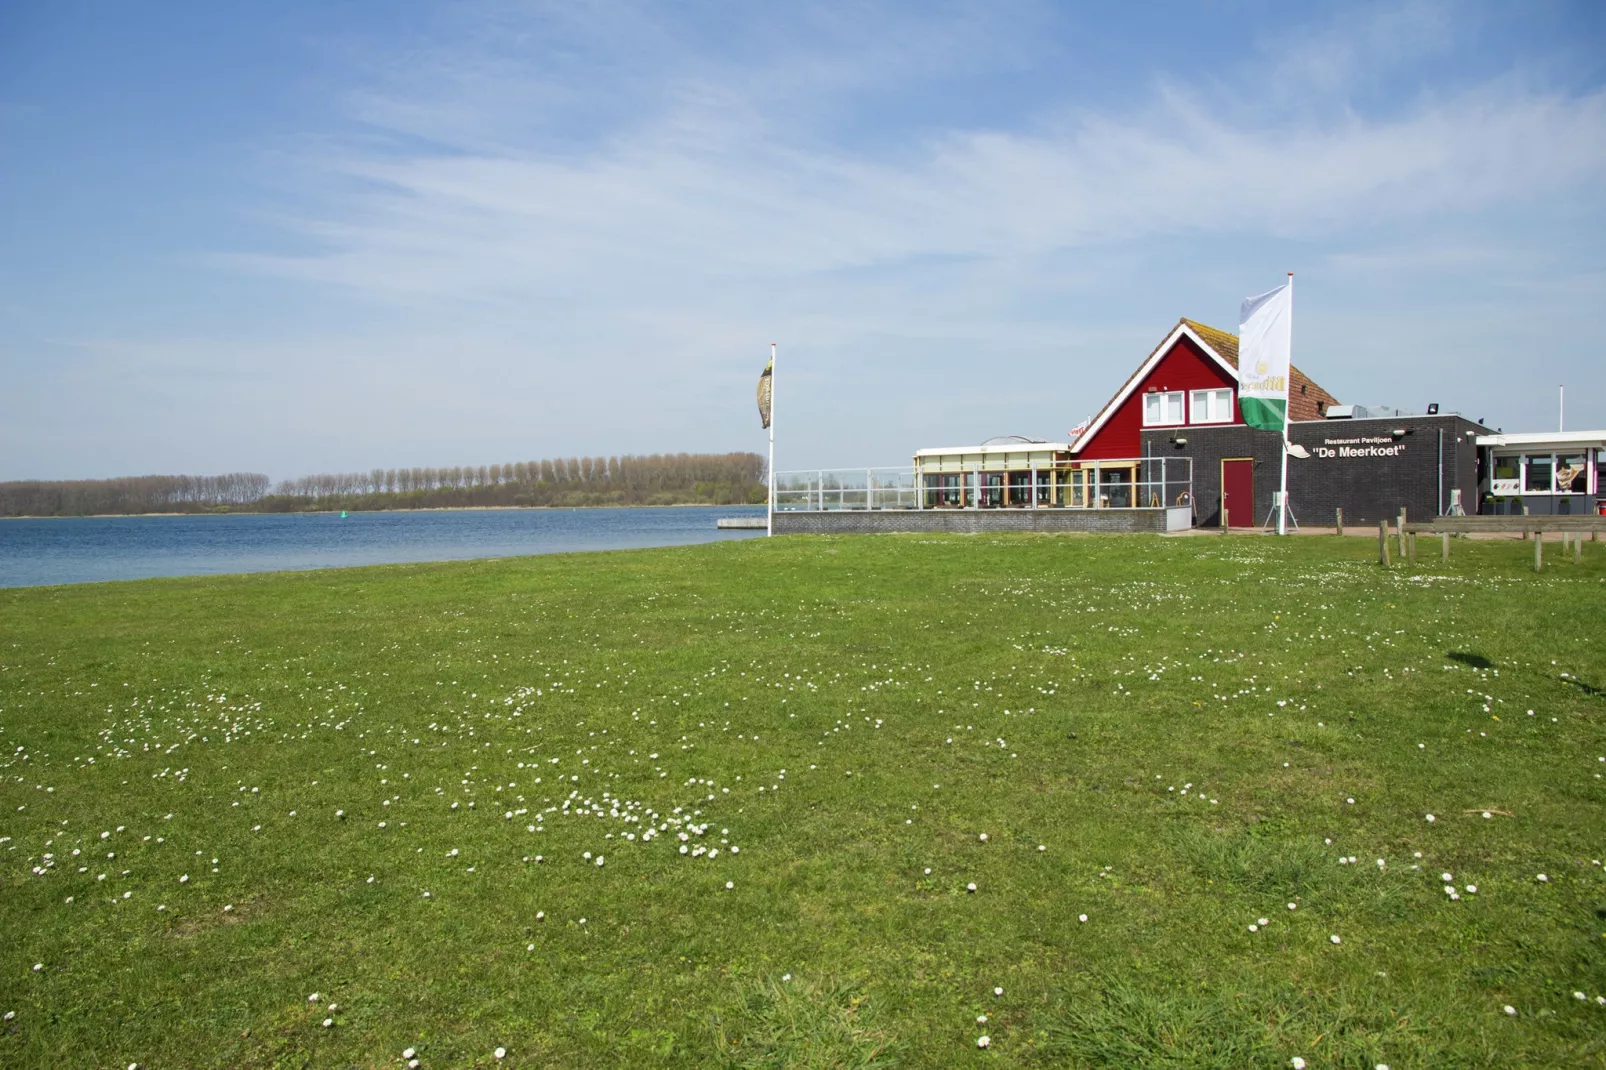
<point x="1172" y="446"/>
<point x="1189" y="379"/>
<point x="1140" y="451"/>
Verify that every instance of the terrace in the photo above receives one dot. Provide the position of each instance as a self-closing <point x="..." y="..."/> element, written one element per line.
<point x="994" y="480"/>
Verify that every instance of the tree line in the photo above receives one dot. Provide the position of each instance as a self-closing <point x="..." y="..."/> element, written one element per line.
<point x="133" y="494"/>
<point x="657" y="479"/>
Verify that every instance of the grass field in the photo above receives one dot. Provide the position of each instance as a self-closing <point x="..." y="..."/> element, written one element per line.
<point x="722" y="805"/>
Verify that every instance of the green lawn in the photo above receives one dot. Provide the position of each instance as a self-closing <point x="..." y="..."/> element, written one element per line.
<point x="381" y="785"/>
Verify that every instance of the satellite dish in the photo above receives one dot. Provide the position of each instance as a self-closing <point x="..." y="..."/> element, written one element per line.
<point x="1296" y="450"/>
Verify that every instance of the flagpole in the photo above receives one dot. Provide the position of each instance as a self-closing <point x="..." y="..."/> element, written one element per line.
<point x="769" y="511"/>
<point x="1288" y="396"/>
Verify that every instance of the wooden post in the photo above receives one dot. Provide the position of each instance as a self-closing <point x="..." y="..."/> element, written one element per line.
<point x="1383" y="543"/>
<point x="1410" y="543"/>
<point x="1340" y="524"/>
<point x="1578" y="549"/>
<point x="1401" y="532"/>
<point x="1539" y="552"/>
<point x="1445" y="552"/>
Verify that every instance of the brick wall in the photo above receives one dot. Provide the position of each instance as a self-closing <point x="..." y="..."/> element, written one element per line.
<point x="970" y="522"/>
<point x="1369" y="484"/>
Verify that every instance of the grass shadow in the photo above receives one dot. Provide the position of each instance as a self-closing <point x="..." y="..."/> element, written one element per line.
<point x="1475" y="661"/>
<point x="1589" y="689"/>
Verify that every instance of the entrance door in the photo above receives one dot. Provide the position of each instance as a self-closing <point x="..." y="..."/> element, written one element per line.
<point x="1238" y="493"/>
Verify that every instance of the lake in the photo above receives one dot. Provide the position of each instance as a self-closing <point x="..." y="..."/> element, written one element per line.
<point x="92" y="549"/>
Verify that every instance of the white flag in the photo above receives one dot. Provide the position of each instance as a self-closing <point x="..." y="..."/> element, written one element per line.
<point x="1265" y="346"/>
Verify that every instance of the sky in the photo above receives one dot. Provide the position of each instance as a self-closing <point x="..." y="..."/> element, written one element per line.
<point x="295" y="237"/>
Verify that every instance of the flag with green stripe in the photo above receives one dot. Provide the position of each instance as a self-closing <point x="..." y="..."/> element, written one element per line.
<point x="1265" y="346"/>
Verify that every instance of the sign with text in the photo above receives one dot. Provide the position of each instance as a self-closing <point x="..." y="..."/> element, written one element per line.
<point x="1381" y="446"/>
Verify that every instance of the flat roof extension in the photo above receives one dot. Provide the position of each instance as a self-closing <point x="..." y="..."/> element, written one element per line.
<point x="1547" y="439"/>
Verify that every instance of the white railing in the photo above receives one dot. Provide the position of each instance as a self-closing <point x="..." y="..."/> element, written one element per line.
<point x="1126" y="483"/>
<point x="846" y="488"/>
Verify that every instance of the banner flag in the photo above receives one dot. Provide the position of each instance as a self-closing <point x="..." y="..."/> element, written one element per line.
<point x="1265" y="344"/>
<point x="765" y="384"/>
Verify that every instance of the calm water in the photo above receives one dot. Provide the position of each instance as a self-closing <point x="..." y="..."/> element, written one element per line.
<point x="89" y="549"/>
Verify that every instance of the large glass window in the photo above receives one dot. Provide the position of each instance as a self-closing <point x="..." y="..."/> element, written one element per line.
<point x="1572" y="474"/>
<point x="1115" y="487"/>
<point x="1160" y="409"/>
<point x="1077" y="488"/>
<point x="1537" y="475"/>
<point x="945" y="490"/>
<point x="1211" y="406"/>
<point x="1020" y="489"/>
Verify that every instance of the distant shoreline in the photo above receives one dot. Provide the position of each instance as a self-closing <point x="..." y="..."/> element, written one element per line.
<point x="414" y="509"/>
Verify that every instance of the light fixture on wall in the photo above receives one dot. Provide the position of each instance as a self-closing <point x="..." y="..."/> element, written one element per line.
<point x="1433" y="409"/>
<point x="1179" y="441"/>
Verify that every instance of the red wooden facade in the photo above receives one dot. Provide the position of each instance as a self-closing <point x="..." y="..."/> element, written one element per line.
<point x="1192" y="357"/>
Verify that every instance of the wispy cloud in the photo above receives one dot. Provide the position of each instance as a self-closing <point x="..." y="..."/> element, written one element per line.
<point x="707" y="183"/>
<point x="584" y="222"/>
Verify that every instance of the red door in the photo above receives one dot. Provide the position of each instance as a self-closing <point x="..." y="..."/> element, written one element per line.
<point x="1238" y="493"/>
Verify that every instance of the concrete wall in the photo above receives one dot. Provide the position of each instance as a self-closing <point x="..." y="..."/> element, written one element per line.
<point x="970" y="522"/>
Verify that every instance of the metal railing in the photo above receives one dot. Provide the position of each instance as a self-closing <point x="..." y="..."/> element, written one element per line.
<point x="1126" y="483"/>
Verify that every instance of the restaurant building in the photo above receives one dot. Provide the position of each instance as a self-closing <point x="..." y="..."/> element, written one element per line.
<point x="1181" y="405"/>
<point x="1170" y="450"/>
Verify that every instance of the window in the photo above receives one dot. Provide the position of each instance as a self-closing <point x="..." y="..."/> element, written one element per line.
<point x="1160" y="409"/>
<point x="1211" y="406"/>
<point x="1538" y="475"/>
<point x="1115" y="484"/>
<point x="1572" y="474"/>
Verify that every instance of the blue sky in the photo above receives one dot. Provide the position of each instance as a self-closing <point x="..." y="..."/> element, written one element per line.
<point x="328" y="236"/>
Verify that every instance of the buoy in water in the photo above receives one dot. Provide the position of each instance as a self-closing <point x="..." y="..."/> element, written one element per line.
<point x="342" y="514"/>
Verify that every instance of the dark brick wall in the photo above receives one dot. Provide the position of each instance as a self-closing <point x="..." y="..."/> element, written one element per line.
<point x="970" y="522"/>
<point x="1368" y="488"/>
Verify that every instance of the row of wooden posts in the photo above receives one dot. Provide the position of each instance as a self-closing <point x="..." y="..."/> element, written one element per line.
<point x="1405" y="536"/>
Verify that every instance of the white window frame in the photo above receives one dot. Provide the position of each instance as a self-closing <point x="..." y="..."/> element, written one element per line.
<point x="1527" y="463"/>
<point x="1555" y="469"/>
<point x="1505" y="487"/>
<point x="1161" y="397"/>
<point x="1195" y="396"/>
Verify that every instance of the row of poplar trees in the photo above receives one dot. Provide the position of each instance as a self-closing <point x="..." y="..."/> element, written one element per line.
<point x="657" y="479"/>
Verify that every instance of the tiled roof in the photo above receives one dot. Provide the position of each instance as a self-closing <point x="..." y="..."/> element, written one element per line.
<point x="1303" y="392"/>
<point x="1219" y="340"/>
